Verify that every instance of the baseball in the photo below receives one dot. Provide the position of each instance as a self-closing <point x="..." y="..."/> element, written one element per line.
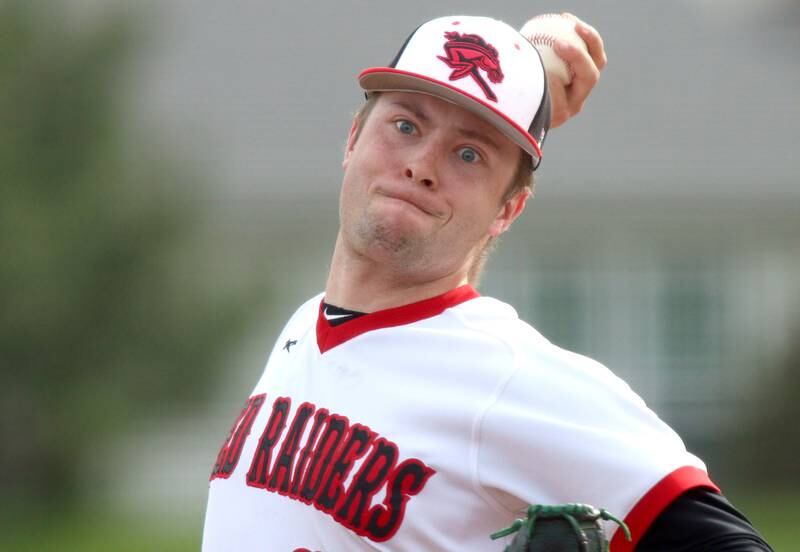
<point x="542" y="31"/>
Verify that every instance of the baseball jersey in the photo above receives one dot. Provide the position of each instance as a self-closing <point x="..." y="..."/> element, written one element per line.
<point x="428" y="427"/>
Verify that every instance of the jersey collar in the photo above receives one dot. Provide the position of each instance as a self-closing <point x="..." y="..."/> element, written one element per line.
<point x="329" y="336"/>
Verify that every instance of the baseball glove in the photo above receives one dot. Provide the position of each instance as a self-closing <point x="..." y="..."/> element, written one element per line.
<point x="562" y="528"/>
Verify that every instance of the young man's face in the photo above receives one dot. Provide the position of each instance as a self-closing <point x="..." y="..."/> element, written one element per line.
<point x="423" y="186"/>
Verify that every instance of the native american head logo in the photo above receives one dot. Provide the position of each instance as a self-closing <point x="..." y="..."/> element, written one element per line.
<point x="468" y="54"/>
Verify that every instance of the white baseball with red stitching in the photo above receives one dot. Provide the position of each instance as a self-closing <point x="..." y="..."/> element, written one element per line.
<point x="542" y="31"/>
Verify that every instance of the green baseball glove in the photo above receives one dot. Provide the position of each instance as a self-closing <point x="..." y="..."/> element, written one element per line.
<point x="563" y="528"/>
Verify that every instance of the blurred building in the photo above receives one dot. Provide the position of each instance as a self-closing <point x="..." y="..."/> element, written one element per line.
<point x="689" y="303"/>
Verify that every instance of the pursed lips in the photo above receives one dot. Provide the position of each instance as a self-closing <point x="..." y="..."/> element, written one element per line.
<point x="410" y="199"/>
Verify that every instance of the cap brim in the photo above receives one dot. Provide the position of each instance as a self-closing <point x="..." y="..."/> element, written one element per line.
<point x="385" y="79"/>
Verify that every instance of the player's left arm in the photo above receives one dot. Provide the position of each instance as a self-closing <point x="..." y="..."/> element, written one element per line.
<point x="701" y="519"/>
<point x="567" y="101"/>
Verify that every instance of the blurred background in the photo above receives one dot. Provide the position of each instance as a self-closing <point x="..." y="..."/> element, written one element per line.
<point x="169" y="175"/>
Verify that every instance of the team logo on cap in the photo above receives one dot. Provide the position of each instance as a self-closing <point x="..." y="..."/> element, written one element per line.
<point x="468" y="54"/>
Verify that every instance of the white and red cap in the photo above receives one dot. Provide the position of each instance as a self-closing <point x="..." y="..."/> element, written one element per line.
<point x="478" y="63"/>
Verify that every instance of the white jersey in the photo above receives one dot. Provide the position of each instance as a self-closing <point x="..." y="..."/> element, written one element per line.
<point x="428" y="427"/>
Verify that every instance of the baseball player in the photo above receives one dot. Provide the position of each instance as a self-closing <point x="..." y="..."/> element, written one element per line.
<point x="402" y="410"/>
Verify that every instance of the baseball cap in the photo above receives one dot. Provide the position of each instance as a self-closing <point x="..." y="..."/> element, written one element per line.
<point x="478" y="63"/>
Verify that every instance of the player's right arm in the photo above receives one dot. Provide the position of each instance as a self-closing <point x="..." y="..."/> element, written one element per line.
<point x="567" y="101"/>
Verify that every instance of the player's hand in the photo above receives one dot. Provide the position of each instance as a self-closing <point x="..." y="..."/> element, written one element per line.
<point x="567" y="101"/>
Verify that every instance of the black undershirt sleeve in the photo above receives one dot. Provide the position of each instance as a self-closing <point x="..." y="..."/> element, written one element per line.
<point x="701" y="519"/>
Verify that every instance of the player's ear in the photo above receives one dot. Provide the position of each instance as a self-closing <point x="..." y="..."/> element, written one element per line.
<point x="509" y="211"/>
<point x="351" y="141"/>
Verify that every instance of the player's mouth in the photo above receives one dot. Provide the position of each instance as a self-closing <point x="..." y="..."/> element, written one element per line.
<point x="410" y="199"/>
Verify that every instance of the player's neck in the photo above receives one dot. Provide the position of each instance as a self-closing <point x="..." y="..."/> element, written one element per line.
<point x="358" y="283"/>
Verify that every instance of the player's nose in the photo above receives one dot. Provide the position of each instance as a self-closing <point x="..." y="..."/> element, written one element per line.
<point x="421" y="167"/>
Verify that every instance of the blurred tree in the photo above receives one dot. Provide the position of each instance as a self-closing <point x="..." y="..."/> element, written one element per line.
<point x="104" y="307"/>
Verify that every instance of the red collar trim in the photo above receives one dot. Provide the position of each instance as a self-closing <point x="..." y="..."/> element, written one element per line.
<point x="329" y="336"/>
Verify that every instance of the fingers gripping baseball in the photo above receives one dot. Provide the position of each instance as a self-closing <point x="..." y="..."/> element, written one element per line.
<point x="568" y="99"/>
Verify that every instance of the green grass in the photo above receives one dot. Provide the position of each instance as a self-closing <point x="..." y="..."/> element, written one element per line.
<point x="774" y="514"/>
<point x="99" y="532"/>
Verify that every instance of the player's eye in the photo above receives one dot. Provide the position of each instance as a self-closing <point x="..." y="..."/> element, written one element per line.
<point x="406" y="127"/>
<point x="469" y="155"/>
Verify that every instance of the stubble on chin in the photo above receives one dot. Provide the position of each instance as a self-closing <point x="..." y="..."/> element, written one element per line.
<point x="396" y="246"/>
<point x="374" y="234"/>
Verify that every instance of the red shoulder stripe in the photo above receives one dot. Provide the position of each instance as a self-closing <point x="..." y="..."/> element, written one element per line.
<point x="655" y="501"/>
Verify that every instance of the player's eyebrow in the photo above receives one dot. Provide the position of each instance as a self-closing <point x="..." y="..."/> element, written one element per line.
<point x="417" y="112"/>
<point x="479" y="137"/>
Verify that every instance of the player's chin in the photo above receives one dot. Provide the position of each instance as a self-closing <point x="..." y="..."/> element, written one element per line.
<point x="393" y="232"/>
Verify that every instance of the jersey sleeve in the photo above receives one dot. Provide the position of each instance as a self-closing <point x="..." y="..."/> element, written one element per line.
<point x="701" y="519"/>
<point x="562" y="428"/>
